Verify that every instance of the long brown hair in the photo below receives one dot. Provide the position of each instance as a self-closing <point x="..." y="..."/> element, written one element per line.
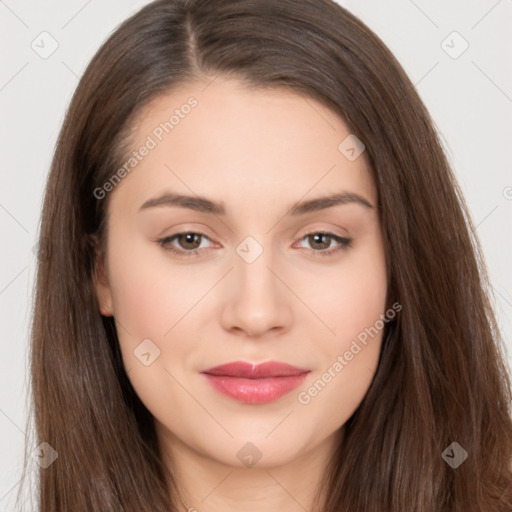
<point x="441" y="377"/>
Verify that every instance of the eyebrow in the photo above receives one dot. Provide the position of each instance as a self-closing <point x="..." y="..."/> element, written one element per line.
<point x="204" y="205"/>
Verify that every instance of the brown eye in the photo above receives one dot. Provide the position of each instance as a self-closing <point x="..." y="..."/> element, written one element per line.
<point x="315" y="240"/>
<point x="185" y="243"/>
<point x="189" y="240"/>
<point x="320" y="243"/>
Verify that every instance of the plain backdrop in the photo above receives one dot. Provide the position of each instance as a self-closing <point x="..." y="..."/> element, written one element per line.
<point x="458" y="54"/>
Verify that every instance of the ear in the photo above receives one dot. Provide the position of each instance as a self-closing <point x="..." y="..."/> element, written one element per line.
<point x="100" y="279"/>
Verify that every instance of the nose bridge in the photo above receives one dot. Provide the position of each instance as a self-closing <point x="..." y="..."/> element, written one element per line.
<point x="257" y="303"/>
<point x="254" y="257"/>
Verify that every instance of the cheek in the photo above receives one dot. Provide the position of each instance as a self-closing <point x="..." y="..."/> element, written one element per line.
<point x="335" y="394"/>
<point x="352" y="303"/>
<point x="361" y="299"/>
<point x="149" y="300"/>
<point x="158" y="301"/>
<point x="350" y="297"/>
<point x="348" y="359"/>
<point x="150" y="295"/>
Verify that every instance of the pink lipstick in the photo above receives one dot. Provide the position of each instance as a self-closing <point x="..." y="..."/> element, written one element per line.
<point x="255" y="384"/>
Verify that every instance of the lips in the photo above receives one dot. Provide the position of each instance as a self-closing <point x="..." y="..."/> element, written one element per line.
<point x="251" y="371"/>
<point x="255" y="384"/>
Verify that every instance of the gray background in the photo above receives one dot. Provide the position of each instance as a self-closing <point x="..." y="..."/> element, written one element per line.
<point x="468" y="95"/>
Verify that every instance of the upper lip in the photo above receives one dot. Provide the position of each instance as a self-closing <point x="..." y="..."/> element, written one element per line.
<point x="255" y="371"/>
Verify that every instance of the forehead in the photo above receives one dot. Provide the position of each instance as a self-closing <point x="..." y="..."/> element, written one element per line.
<point x="237" y="144"/>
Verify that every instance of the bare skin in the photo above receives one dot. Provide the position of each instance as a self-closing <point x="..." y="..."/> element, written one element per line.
<point x="258" y="153"/>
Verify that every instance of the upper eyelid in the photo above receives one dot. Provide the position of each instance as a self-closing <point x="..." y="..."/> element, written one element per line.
<point x="317" y="228"/>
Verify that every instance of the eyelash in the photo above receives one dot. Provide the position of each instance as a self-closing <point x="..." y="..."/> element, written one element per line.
<point x="344" y="243"/>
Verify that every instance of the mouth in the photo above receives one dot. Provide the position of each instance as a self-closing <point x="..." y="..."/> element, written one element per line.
<point x="255" y="384"/>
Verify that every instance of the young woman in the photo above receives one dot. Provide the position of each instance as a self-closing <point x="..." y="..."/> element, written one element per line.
<point x="260" y="289"/>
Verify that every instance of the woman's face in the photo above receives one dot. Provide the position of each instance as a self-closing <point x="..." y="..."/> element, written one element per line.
<point x="262" y="287"/>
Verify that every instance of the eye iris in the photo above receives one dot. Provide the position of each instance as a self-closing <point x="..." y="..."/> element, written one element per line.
<point x="314" y="237"/>
<point x="189" y="237"/>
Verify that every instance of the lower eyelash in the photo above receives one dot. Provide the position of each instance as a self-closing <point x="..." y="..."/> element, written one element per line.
<point x="343" y="242"/>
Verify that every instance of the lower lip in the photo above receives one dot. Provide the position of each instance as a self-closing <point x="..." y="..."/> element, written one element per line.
<point x="255" y="391"/>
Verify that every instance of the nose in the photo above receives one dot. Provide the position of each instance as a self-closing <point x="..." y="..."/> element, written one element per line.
<point x="257" y="298"/>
